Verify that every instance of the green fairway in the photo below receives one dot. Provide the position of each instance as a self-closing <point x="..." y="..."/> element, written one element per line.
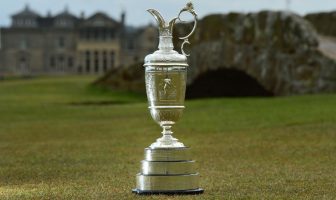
<point x="61" y="139"/>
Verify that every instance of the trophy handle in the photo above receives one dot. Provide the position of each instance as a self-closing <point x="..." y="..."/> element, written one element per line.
<point x="189" y="8"/>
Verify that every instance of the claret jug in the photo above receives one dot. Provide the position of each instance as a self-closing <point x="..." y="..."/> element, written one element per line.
<point x="167" y="167"/>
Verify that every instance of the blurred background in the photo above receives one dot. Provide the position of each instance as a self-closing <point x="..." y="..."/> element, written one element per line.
<point x="88" y="38"/>
<point x="73" y="113"/>
<point x="289" y="50"/>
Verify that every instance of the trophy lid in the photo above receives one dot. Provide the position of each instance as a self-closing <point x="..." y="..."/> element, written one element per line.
<point x="166" y="58"/>
<point x="166" y="55"/>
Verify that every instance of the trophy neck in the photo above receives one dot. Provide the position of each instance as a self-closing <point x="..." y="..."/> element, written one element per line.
<point x="165" y="30"/>
<point x="166" y="43"/>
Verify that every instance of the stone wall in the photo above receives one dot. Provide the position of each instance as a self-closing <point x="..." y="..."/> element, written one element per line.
<point x="279" y="50"/>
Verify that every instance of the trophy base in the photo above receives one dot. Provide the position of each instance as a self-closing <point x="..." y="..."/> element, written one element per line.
<point x="167" y="171"/>
<point x="168" y="192"/>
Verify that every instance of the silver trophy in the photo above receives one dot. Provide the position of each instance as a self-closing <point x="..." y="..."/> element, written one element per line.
<point x="168" y="167"/>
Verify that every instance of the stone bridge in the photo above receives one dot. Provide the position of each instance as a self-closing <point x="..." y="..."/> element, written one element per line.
<point x="256" y="54"/>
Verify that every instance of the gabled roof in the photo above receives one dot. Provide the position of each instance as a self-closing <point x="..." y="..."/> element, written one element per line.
<point x="100" y="20"/>
<point x="27" y="12"/>
<point x="66" y="14"/>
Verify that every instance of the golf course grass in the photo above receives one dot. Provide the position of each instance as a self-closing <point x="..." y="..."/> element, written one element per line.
<point x="62" y="139"/>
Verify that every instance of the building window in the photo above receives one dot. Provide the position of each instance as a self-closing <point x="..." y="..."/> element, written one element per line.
<point x="104" y="61"/>
<point x="18" y="22"/>
<point x="52" y="62"/>
<point x="80" y="69"/>
<point x="87" y="34"/>
<point x="96" y="34"/>
<point x="23" y="64"/>
<point x="23" y="44"/>
<point x="112" y="57"/>
<point x="87" y="61"/>
<point x="112" y="34"/>
<point x="96" y="59"/>
<point x="81" y="34"/>
<point x="61" y="63"/>
<point x="62" y="22"/>
<point x="130" y="45"/>
<point x="104" y="33"/>
<point x="61" y="42"/>
<point x="70" y="62"/>
<point x="99" y="22"/>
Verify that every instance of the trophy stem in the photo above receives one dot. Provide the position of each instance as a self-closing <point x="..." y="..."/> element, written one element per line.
<point x="167" y="140"/>
<point x="167" y="137"/>
<point x="167" y="131"/>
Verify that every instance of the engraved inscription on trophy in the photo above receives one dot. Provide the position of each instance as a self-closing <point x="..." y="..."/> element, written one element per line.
<point x="163" y="88"/>
<point x="167" y="90"/>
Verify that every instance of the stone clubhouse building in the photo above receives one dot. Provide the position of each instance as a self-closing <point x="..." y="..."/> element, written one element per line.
<point x="69" y="44"/>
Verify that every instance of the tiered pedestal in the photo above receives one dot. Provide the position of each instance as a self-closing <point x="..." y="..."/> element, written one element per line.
<point x="168" y="171"/>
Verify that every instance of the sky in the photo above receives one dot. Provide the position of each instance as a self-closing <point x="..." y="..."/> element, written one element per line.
<point x="136" y="9"/>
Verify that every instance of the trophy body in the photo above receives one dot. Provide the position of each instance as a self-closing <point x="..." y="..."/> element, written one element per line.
<point x="168" y="167"/>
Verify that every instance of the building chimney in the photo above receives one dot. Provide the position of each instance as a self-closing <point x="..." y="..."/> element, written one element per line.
<point x="123" y="17"/>
<point x="49" y="14"/>
<point x="82" y="15"/>
<point x="26" y="7"/>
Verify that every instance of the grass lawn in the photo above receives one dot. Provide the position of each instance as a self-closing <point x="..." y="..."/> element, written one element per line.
<point x="60" y="139"/>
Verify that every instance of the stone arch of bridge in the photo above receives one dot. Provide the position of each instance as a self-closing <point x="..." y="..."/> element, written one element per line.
<point x="226" y="82"/>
